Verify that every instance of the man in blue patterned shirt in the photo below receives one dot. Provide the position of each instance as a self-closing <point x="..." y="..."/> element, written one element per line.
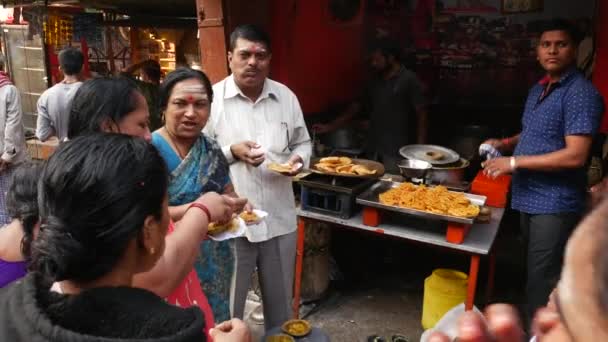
<point x="561" y="117"/>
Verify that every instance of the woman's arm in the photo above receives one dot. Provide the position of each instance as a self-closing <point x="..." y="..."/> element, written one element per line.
<point x="181" y="249"/>
<point x="182" y="246"/>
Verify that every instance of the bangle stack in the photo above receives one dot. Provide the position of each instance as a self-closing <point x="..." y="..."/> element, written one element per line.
<point x="201" y="207"/>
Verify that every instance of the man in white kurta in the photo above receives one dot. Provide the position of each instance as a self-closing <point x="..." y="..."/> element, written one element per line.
<point x="258" y="121"/>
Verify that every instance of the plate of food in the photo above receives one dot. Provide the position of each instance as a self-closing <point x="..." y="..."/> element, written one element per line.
<point x="225" y="231"/>
<point x="253" y="217"/>
<point x="296" y="327"/>
<point x="347" y="167"/>
<point x="280" y="338"/>
<point x="285" y="168"/>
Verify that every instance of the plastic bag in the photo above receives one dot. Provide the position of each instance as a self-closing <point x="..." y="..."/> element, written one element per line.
<point x="448" y="324"/>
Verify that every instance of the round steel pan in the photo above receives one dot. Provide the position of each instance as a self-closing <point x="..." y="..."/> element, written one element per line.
<point x="425" y="152"/>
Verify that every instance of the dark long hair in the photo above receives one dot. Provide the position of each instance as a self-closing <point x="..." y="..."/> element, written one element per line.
<point x="99" y="100"/>
<point x="94" y="194"/>
<point x="22" y="201"/>
<point x="182" y="74"/>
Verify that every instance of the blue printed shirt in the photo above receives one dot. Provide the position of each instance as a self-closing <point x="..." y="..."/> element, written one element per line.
<point x="572" y="107"/>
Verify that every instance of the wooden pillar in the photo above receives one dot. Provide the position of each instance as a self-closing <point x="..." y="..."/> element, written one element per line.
<point x="212" y="38"/>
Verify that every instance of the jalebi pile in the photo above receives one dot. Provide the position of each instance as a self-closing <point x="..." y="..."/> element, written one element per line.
<point x="436" y="200"/>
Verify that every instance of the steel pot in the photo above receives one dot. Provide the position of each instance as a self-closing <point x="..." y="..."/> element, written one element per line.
<point x="343" y="138"/>
<point x="449" y="174"/>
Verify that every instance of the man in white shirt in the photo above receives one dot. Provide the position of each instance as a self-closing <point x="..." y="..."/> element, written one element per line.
<point x="54" y="104"/>
<point x="258" y="121"/>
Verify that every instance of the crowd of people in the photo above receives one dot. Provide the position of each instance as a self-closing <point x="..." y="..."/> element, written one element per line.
<point x="107" y="240"/>
<point x="115" y="222"/>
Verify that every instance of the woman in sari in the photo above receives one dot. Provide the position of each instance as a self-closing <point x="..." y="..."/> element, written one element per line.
<point x="115" y="105"/>
<point x="196" y="165"/>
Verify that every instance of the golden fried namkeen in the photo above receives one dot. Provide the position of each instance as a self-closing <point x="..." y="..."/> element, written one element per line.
<point x="436" y="200"/>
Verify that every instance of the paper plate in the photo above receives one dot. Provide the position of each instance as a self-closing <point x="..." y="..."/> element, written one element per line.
<point x="231" y="234"/>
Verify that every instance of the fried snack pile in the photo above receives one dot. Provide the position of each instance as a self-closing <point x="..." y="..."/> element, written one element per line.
<point x="343" y="165"/>
<point x="436" y="200"/>
<point x="218" y="228"/>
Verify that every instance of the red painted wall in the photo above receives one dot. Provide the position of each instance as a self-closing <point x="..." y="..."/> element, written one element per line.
<point x="320" y="60"/>
<point x="600" y="71"/>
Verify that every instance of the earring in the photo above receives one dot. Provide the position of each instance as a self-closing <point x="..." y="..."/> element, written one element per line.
<point x="152" y="251"/>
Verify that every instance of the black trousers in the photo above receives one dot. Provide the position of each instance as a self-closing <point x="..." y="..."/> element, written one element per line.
<point x="546" y="237"/>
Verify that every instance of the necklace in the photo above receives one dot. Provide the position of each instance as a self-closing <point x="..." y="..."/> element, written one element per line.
<point x="172" y="139"/>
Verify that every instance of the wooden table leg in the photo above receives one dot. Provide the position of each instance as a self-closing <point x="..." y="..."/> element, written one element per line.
<point x="491" y="275"/>
<point x="473" y="272"/>
<point x="297" y="284"/>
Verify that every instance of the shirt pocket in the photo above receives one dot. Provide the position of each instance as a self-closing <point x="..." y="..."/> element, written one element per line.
<point x="278" y="139"/>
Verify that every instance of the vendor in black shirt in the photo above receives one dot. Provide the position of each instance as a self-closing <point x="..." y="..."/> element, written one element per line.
<point x="391" y="100"/>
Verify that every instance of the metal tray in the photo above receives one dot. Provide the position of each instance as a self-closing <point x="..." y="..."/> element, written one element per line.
<point x="420" y="152"/>
<point x="370" y="164"/>
<point x="370" y="198"/>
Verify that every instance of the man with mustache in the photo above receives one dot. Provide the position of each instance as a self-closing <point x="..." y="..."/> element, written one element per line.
<point x="393" y="99"/>
<point x="258" y="121"/>
<point x="561" y="117"/>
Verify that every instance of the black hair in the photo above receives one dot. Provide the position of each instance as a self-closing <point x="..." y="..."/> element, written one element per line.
<point x="179" y="75"/>
<point x="251" y="33"/>
<point x="94" y="195"/>
<point x="22" y="201"/>
<point x="98" y="100"/>
<point x="71" y="60"/>
<point x="560" y="24"/>
<point x="152" y="69"/>
<point x="387" y="47"/>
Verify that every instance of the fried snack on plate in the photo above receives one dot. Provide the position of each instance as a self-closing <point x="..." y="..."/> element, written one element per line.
<point x="281" y="168"/>
<point x="216" y="228"/>
<point x="362" y="170"/>
<point x="326" y="167"/>
<point x="330" y="160"/>
<point x="250" y="217"/>
<point x="345" y="169"/>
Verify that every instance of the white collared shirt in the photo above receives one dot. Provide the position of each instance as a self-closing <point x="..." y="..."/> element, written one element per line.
<point x="274" y="121"/>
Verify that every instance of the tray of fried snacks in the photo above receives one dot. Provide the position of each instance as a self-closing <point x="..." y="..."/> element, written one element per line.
<point x="432" y="202"/>
<point x="227" y="230"/>
<point x="347" y="167"/>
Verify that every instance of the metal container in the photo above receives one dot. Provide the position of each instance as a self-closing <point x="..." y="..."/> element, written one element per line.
<point x="451" y="174"/>
<point x="371" y="198"/>
<point x="412" y="168"/>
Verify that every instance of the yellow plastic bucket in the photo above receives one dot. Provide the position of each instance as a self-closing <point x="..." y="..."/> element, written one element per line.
<point x="443" y="290"/>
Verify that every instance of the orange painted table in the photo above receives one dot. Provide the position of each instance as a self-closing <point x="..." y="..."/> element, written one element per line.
<point x="477" y="243"/>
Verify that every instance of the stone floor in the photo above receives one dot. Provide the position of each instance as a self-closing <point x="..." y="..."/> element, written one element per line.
<point x="380" y="289"/>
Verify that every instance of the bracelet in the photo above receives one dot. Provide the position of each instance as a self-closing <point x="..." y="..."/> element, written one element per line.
<point x="203" y="208"/>
<point x="513" y="163"/>
<point x="506" y="141"/>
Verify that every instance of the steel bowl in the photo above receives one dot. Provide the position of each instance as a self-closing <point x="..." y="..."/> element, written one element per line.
<point x="413" y="168"/>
